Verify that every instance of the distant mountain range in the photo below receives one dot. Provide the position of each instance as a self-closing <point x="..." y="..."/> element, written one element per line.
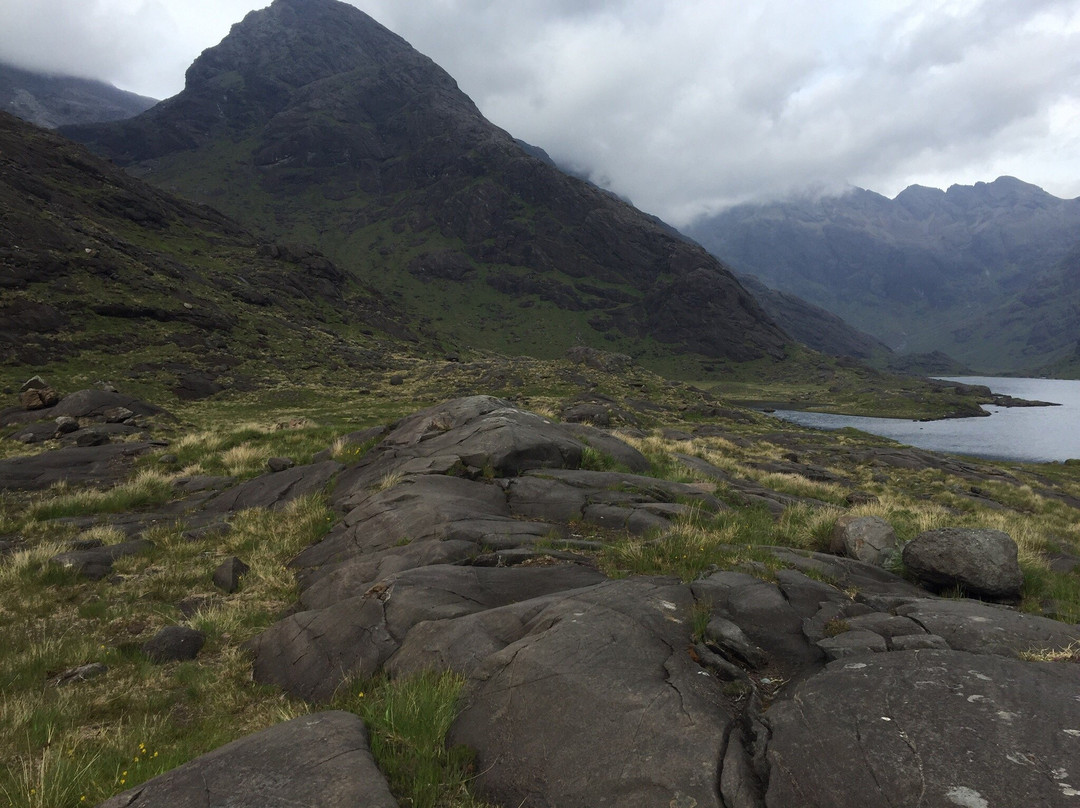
<point x="51" y="100"/>
<point x="980" y="272"/>
<point x="313" y="121"/>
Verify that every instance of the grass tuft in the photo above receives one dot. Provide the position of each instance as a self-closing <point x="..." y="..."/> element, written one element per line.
<point x="409" y="719"/>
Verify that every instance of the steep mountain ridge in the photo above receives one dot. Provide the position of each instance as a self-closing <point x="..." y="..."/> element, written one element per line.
<point x="53" y="100"/>
<point x="312" y="119"/>
<point x="921" y="271"/>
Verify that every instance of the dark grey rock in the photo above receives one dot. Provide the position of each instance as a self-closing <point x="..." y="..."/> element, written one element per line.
<point x="852" y="643"/>
<point x="315" y="761"/>
<point x="227" y="576"/>
<point x="280" y="463"/>
<point x="311" y="653"/>
<point x="869" y="539"/>
<point x="82" y="673"/>
<point x="598" y="704"/>
<point x="325" y="586"/>
<point x="34" y="383"/>
<point x="202" y="482"/>
<point x="276" y="489"/>
<point x="985" y="628"/>
<point x="934" y="728"/>
<point x="117" y="415"/>
<point x="95" y="404"/>
<point x="428" y="507"/>
<point x="96" y="563"/>
<point x="730" y="640"/>
<point x="606" y="443"/>
<point x="917" y="642"/>
<point x="66" y="424"/>
<point x="887" y="625"/>
<point x="981" y="562"/>
<point x="760" y="609"/>
<point x="174" y="644"/>
<point x="75" y="465"/>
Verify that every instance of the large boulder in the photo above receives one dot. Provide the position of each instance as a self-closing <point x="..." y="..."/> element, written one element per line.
<point x="315" y="761"/>
<point x="980" y="562"/>
<point x="869" y="539"/>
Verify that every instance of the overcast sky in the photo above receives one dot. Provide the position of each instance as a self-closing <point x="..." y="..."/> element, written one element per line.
<point x="685" y="105"/>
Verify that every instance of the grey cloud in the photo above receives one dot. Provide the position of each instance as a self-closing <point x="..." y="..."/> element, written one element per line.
<point x="688" y="105"/>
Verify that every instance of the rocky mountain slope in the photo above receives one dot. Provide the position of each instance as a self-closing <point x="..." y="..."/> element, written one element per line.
<point x="52" y="101"/>
<point x="954" y="271"/>
<point x="311" y="119"/>
<point x="814" y="326"/>
<point x="104" y="277"/>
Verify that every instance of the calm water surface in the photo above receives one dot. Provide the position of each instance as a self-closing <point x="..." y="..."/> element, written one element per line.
<point x="1037" y="434"/>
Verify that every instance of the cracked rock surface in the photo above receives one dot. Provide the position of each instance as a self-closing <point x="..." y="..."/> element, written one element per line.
<point x="826" y="682"/>
<point x="315" y="761"/>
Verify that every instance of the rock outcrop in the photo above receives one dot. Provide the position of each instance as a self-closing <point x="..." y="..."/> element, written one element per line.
<point x="467" y="540"/>
<point x="584" y="691"/>
<point x="316" y="761"/>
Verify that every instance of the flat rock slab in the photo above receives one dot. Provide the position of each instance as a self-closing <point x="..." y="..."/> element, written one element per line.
<point x="312" y="653"/>
<point x="275" y="489"/>
<point x="75" y="465"/>
<point x="428" y="507"/>
<point x="931" y="728"/>
<point x="598" y="704"/>
<point x="97" y="562"/>
<point x="316" y="761"/>
<point x="983" y="628"/>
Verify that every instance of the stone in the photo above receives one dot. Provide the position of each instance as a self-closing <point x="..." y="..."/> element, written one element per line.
<point x="980" y="562"/>
<point x="852" y="643"/>
<point x="419" y="509"/>
<point x="598" y="703"/>
<point x="66" y="424"/>
<point x="917" y="642"/>
<point x="934" y="728"/>
<point x="227" y="576"/>
<point x="82" y="673"/>
<point x="96" y="563"/>
<point x="174" y="644"/>
<point x="730" y="640"/>
<point x="91" y="437"/>
<point x="986" y="628"/>
<point x="275" y="464"/>
<point x="320" y="760"/>
<point x="39" y="398"/>
<point x="311" y="653"/>
<point x="96" y="403"/>
<point x="34" y="383"/>
<point x="117" y="415"/>
<point x="869" y="539"/>
<point x="276" y="489"/>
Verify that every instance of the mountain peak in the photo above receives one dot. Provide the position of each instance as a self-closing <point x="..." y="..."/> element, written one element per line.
<point x="312" y="117"/>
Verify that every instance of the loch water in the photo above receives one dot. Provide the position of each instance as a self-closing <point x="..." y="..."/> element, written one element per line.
<point x="1033" y="434"/>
